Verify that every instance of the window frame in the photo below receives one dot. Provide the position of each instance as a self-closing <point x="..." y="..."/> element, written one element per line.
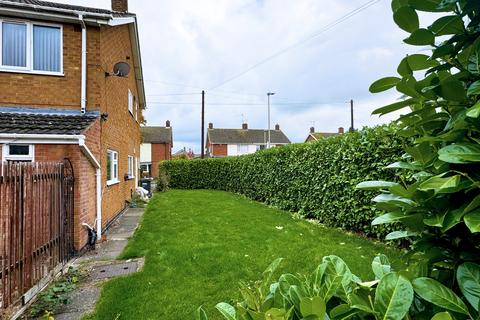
<point x="113" y="165"/>
<point x="6" y="156"/>
<point x="131" y="167"/>
<point x="29" y="47"/>
<point x="131" y="101"/>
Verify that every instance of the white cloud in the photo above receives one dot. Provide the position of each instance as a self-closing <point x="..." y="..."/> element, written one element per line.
<point x="198" y="44"/>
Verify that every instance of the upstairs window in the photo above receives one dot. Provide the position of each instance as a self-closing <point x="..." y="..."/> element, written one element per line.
<point x="18" y="152"/>
<point x="131" y="101"/>
<point x="112" y="167"/>
<point x="30" y="47"/>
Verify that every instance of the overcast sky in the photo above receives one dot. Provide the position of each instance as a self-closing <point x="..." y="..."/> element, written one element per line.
<point x="190" y="45"/>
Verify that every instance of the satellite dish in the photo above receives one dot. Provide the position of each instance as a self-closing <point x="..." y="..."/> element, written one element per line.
<point x="121" y="69"/>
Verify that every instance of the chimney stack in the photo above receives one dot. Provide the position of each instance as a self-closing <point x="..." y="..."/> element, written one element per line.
<point x="245" y="126"/>
<point x="277" y="127"/>
<point x="167" y="124"/>
<point x="312" y="130"/>
<point x="341" y="130"/>
<point x="210" y="125"/>
<point x="120" y="5"/>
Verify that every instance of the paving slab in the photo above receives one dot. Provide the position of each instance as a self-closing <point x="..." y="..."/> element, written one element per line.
<point x="85" y="296"/>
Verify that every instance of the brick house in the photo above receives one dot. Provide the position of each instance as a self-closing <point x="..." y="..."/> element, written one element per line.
<point x="59" y="99"/>
<point x="235" y="142"/>
<point x="315" y="136"/>
<point x="157" y="143"/>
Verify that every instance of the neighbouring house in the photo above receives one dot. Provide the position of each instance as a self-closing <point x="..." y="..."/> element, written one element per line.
<point x="235" y="142"/>
<point x="314" y="136"/>
<point x="65" y="95"/>
<point x="157" y="143"/>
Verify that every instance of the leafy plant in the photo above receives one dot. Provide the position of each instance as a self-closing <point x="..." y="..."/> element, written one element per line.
<point x="440" y="208"/>
<point x="56" y="294"/>
<point x="315" y="179"/>
<point x="332" y="291"/>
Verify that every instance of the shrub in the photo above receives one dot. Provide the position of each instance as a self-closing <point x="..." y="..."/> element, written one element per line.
<point x="316" y="179"/>
<point x="163" y="181"/>
<point x="332" y="291"/>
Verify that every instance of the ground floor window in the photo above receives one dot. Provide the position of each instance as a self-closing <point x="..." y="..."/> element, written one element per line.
<point x="112" y="167"/>
<point x="131" y="167"/>
<point x="146" y="169"/>
<point x="18" y="152"/>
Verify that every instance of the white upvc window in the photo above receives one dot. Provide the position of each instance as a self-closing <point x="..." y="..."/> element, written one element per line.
<point x="131" y="101"/>
<point x="136" y="111"/>
<point x="242" y="149"/>
<point x="112" y="167"/>
<point x="131" y="167"/>
<point x="18" y="152"/>
<point x="31" y="47"/>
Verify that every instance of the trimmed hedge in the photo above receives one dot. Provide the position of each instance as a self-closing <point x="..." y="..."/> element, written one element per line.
<point x="316" y="179"/>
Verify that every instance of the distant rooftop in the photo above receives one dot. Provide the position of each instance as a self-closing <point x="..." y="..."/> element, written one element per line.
<point x="153" y="134"/>
<point x="245" y="136"/>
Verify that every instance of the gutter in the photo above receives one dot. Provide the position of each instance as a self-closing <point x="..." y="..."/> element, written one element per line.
<point x="53" y="9"/>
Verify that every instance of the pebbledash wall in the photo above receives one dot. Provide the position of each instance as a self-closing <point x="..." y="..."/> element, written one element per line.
<point x="119" y="132"/>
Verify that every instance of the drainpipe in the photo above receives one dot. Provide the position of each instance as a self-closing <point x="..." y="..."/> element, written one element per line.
<point x="83" y="98"/>
<point x="98" y="175"/>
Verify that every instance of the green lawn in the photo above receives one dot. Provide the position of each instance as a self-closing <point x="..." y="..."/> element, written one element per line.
<point x="199" y="244"/>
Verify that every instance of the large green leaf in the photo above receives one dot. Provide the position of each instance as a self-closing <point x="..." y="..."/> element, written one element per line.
<point x="393" y="297"/>
<point x="201" y="314"/>
<point x="426" y="5"/>
<point x="420" y="62"/>
<point x="343" y="312"/>
<point x="406" y="18"/>
<point x="468" y="278"/>
<point x="388" y="218"/>
<point x="381" y="266"/>
<point x="472" y="220"/>
<point x="440" y="184"/>
<point x="384" y="84"/>
<point x="394" y="107"/>
<point x="336" y="277"/>
<point x="439" y="295"/>
<point x="313" y="307"/>
<point x="451" y="89"/>
<point x="421" y="37"/>
<point x="442" y="316"/>
<point x="474" y="89"/>
<point x="474" y="111"/>
<point x="375" y="185"/>
<point x="400" y="235"/>
<point x="460" y="153"/>
<point x="447" y="25"/>
<point x="227" y="311"/>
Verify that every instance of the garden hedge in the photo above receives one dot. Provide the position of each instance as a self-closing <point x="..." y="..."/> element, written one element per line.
<point x="316" y="179"/>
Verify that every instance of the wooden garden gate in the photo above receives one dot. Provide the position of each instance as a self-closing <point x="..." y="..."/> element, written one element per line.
<point x="36" y="226"/>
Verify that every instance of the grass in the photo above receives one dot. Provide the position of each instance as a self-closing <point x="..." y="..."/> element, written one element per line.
<point x="199" y="244"/>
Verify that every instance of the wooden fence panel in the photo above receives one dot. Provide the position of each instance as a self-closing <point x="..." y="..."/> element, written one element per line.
<point x="36" y="225"/>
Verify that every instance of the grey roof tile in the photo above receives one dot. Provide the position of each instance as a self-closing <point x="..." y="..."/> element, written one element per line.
<point x="246" y="136"/>
<point x="34" y="123"/>
<point x="156" y="134"/>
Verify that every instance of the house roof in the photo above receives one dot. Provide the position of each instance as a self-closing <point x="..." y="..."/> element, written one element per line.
<point x="157" y="134"/>
<point x="245" y="136"/>
<point x="40" y="6"/>
<point x="319" y="135"/>
<point x="44" y="123"/>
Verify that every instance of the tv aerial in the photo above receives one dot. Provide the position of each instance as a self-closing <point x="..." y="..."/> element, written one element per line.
<point x="120" y="69"/>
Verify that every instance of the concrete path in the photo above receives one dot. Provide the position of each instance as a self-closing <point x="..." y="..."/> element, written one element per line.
<point x="85" y="296"/>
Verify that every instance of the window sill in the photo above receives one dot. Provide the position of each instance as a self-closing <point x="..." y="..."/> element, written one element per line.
<point x="112" y="182"/>
<point x="33" y="72"/>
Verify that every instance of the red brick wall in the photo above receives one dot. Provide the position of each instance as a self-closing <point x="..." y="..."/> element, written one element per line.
<point x="219" y="150"/>
<point x="33" y="90"/>
<point x="120" y="132"/>
<point x="160" y="152"/>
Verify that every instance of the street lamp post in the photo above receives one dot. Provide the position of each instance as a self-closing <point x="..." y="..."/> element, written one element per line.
<point x="269" y="137"/>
